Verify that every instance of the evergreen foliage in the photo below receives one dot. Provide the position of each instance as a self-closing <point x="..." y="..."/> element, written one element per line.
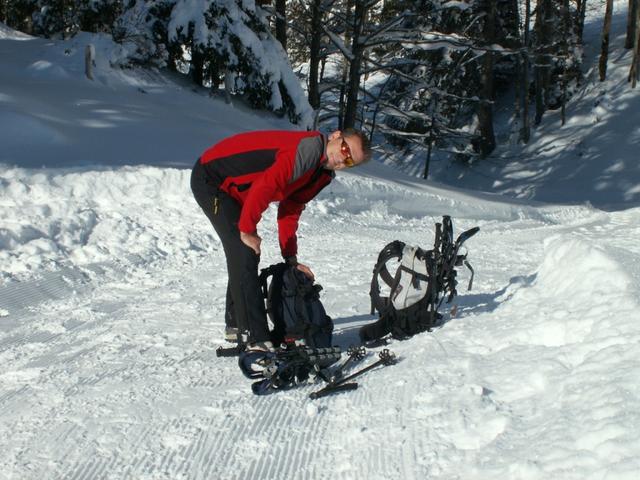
<point x="558" y="49"/>
<point x="55" y="18"/>
<point x="435" y="93"/>
<point x="211" y="39"/>
<point x="18" y="14"/>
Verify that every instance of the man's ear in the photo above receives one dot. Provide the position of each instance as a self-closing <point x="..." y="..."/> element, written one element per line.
<point x="335" y="135"/>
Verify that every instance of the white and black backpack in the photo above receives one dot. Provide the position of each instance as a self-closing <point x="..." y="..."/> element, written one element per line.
<point x="408" y="299"/>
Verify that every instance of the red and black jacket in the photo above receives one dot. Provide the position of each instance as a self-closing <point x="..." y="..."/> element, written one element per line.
<point x="257" y="168"/>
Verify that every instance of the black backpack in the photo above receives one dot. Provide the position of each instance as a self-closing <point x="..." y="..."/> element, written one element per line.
<point x="294" y="307"/>
<point x="421" y="282"/>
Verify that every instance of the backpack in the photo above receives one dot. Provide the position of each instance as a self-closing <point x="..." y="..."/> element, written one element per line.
<point x="294" y="307"/>
<point x="422" y="279"/>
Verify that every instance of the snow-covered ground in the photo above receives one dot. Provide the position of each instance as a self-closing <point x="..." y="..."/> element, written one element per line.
<point x="112" y="297"/>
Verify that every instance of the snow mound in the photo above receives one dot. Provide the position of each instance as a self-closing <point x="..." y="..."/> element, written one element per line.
<point x="46" y="69"/>
<point x="84" y="217"/>
<point x="572" y="298"/>
<point x="581" y="272"/>
<point x="578" y="273"/>
<point x="560" y="353"/>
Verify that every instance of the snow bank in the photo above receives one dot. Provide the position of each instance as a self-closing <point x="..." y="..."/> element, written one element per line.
<point x="572" y="295"/>
<point x="54" y="219"/>
<point x="561" y="354"/>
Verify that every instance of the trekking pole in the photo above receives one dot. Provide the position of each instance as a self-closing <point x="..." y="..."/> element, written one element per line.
<point x="343" y="387"/>
<point x="229" y="351"/>
<point x="354" y="354"/>
<point x="385" y="358"/>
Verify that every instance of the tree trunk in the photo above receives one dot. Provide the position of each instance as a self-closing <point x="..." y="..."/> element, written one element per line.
<point x="631" y="24"/>
<point x="526" y="128"/>
<point x="89" y="60"/>
<point x="378" y="105"/>
<point x="517" y="106"/>
<point x="633" y="73"/>
<point x="229" y="80"/>
<point x="427" y="161"/>
<point x="566" y="23"/>
<point x="485" y="106"/>
<point x="357" y="52"/>
<point x="430" y="138"/>
<point x="197" y="66"/>
<point x="604" y="50"/>
<point x="542" y="66"/>
<point x="314" y="55"/>
<point x="519" y="98"/>
<point x="581" y="11"/>
<point x="214" y="76"/>
<point x="345" y="67"/>
<point x="281" y="22"/>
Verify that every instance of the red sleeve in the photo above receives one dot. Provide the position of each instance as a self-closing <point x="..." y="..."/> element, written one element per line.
<point x="263" y="190"/>
<point x="288" y="217"/>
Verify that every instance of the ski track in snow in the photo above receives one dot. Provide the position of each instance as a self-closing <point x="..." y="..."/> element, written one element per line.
<point x="110" y="367"/>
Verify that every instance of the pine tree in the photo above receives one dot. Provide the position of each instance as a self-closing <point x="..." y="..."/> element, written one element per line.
<point x="557" y="53"/>
<point x="142" y="30"/>
<point x="18" y="14"/>
<point x="98" y="15"/>
<point x="67" y="17"/>
<point x="442" y="71"/>
<point x="210" y="39"/>
<point x="56" y="18"/>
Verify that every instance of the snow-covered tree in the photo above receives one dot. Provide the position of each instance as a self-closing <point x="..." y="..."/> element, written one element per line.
<point x="213" y="39"/>
<point x="56" y="17"/>
<point x="141" y="29"/>
<point x="434" y="94"/>
<point x="98" y="15"/>
<point x="18" y="14"/>
<point x="66" y="17"/>
<point x="556" y="53"/>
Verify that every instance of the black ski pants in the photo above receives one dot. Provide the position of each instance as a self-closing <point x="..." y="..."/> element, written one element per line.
<point x="245" y="305"/>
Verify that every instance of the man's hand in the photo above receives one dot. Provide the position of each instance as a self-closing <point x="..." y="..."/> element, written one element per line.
<point x="307" y="271"/>
<point x="251" y="240"/>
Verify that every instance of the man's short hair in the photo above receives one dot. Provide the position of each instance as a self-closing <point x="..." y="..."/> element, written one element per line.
<point x="364" y="141"/>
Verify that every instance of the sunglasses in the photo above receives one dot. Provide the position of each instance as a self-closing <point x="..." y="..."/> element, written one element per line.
<point x="346" y="154"/>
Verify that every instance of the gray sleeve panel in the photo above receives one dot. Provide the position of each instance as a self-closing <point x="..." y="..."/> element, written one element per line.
<point x="310" y="151"/>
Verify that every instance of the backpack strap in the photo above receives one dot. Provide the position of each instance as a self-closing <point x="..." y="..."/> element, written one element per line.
<point x="272" y="294"/>
<point x="389" y="252"/>
<point x="263" y="280"/>
<point x="302" y="289"/>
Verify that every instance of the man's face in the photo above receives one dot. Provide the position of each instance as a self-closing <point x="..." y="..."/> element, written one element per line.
<point x="343" y="152"/>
